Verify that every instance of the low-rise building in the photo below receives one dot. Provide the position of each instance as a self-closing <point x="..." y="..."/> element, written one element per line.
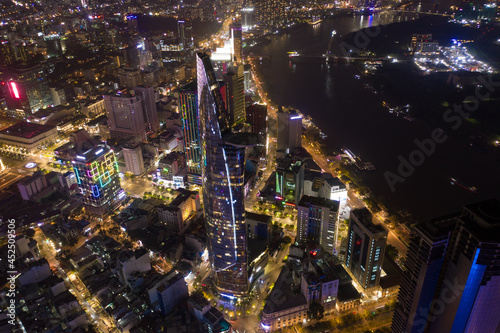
<point x="131" y="262"/>
<point x="27" y="138"/>
<point x="178" y="211"/>
<point x="320" y="284"/>
<point x="37" y="271"/>
<point x="286" y="306"/>
<point x="31" y="186"/>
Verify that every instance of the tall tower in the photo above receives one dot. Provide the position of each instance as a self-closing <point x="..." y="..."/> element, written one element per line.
<point x="188" y="104"/>
<point x="289" y="130"/>
<point x="235" y="95"/>
<point x="125" y="117"/>
<point x="222" y="182"/>
<point x="467" y="298"/>
<point x="148" y="101"/>
<point x="365" y="248"/>
<point x="181" y="33"/>
<point x="424" y="260"/>
<point x="317" y="221"/>
<point x="25" y="88"/>
<point x="96" y="172"/>
<point x="236" y="38"/>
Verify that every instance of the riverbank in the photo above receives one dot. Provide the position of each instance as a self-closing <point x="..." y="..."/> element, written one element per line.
<point x="354" y="117"/>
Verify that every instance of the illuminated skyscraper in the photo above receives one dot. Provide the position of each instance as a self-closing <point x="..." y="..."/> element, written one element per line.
<point x="188" y="106"/>
<point x="25" y="88"/>
<point x="467" y="297"/>
<point x="132" y="116"/>
<point x="235" y="95"/>
<point x="289" y="131"/>
<point x="236" y="38"/>
<point x="148" y="101"/>
<point x="317" y="222"/>
<point x="365" y="248"/>
<point x="222" y="180"/>
<point x="96" y="172"/>
<point x="424" y="260"/>
<point x="247" y="17"/>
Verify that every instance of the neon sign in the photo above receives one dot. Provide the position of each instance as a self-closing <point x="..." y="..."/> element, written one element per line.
<point x="15" y="91"/>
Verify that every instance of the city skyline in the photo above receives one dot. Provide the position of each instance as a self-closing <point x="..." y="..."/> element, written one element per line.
<point x="249" y="166"/>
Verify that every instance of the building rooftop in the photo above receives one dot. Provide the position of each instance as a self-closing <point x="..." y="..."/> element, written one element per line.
<point x="308" y="201"/>
<point x="259" y="217"/>
<point x="198" y="301"/>
<point x="347" y="292"/>
<point x="26" y="130"/>
<point x="282" y="296"/>
<point x="171" y="279"/>
<point x="483" y="220"/>
<point x="392" y="271"/>
<point x="323" y="271"/>
<point x="364" y="217"/>
<point x="289" y="164"/>
<point x="438" y="228"/>
<point x="243" y="139"/>
<point x="182" y="197"/>
<point x="213" y="316"/>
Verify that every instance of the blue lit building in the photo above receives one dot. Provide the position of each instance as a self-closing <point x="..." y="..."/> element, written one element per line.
<point x="188" y="106"/>
<point x="467" y="298"/>
<point x="423" y="264"/>
<point x="223" y="167"/>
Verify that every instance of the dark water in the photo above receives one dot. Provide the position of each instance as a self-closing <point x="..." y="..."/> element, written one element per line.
<point x="353" y="117"/>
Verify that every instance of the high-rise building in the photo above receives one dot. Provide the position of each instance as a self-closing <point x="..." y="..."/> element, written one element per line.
<point x="424" y="260"/>
<point x="365" y="248"/>
<point x="235" y="95"/>
<point x="181" y="32"/>
<point x="257" y="118"/>
<point x="172" y="292"/>
<point x="148" y="101"/>
<point x="247" y="77"/>
<point x="289" y="130"/>
<point x="25" y="88"/>
<point x="467" y="297"/>
<point x="247" y="17"/>
<point x="317" y="222"/>
<point x="134" y="161"/>
<point x="223" y="186"/>
<point x="236" y="36"/>
<point x="96" y="171"/>
<point x="125" y="117"/>
<point x="188" y="106"/>
<point x="289" y="180"/>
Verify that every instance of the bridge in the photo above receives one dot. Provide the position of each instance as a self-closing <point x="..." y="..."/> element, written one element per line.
<point x="332" y="58"/>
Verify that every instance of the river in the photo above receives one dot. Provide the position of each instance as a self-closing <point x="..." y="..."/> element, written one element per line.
<point x="353" y="117"/>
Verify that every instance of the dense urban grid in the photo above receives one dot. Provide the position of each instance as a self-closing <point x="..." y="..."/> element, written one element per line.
<point x="152" y="178"/>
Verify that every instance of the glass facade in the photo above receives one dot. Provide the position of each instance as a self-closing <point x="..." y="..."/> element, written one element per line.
<point x="191" y="127"/>
<point x="223" y="185"/>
